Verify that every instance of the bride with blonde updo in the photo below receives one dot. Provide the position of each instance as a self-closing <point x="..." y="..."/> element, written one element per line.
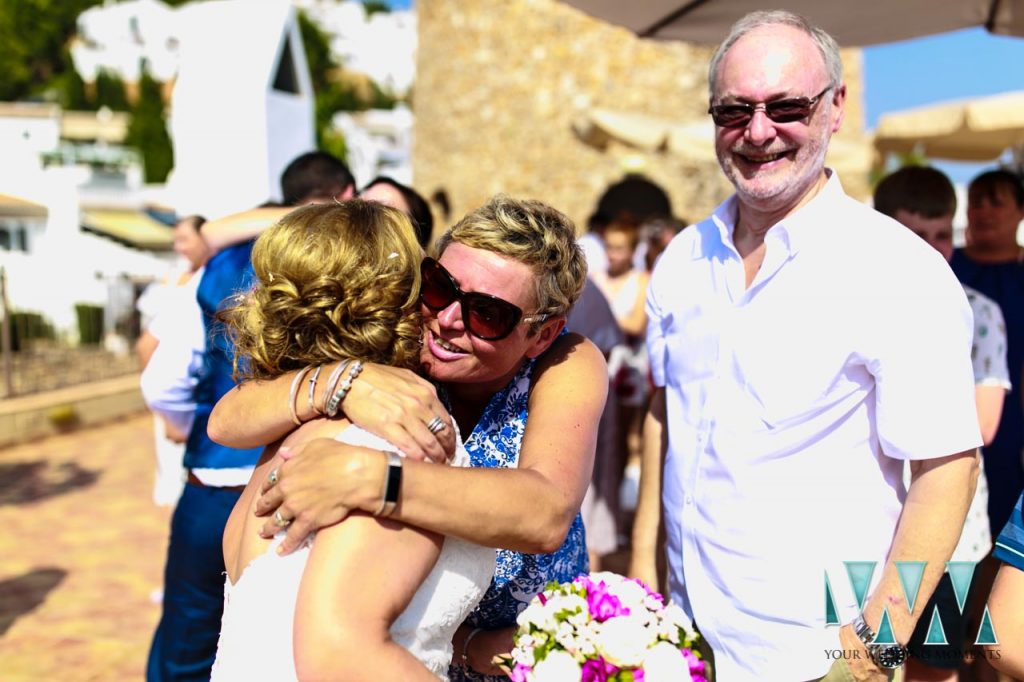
<point x="370" y="598"/>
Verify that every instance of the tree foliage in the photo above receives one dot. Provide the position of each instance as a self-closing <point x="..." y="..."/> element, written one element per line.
<point x="147" y="131"/>
<point x="33" y="39"/>
<point x="110" y="91"/>
<point x="333" y="90"/>
<point x="375" y="6"/>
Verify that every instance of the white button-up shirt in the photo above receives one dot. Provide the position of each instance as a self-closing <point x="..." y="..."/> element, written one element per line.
<point x="790" y="405"/>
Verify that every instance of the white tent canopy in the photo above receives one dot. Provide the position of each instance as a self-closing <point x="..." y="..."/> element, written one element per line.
<point x="693" y="140"/>
<point x="977" y="129"/>
<point x="851" y="23"/>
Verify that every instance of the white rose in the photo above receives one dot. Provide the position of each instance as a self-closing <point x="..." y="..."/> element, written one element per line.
<point x="624" y="640"/>
<point x="665" y="663"/>
<point x="632" y="595"/>
<point x="675" y="615"/>
<point x="536" y="614"/>
<point x="570" y="603"/>
<point x="608" y="577"/>
<point x="557" y="666"/>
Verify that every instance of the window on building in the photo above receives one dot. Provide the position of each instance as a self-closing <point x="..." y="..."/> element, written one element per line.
<point x="13" y="238"/>
<point x="286" y="80"/>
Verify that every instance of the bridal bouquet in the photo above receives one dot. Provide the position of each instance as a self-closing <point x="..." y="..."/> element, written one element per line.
<point x="603" y="628"/>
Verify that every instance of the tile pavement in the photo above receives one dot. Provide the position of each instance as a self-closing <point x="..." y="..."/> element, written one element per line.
<point x="81" y="550"/>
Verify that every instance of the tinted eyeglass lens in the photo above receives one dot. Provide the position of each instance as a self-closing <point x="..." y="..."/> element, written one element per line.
<point x="782" y="111"/>
<point x="732" y="115"/>
<point x="789" y="110"/>
<point x="438" y="291"/>
<point x="490" y="319"/>
<point x="486" y="317"/>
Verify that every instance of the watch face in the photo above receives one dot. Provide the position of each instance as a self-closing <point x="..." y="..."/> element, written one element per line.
<point x="891" y="656"/>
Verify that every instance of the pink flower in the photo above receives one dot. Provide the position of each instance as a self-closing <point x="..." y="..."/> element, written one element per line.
<point x="586" y="583"/>
<point x="696" y="666"/>
<point x="519" y="673"/>
<point x="650" y="592"/>
<point x="597" y="670"/>
<point x="602" y="604"/>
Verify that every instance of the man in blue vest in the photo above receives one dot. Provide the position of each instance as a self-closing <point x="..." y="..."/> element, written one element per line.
<point x="185" y="642"/>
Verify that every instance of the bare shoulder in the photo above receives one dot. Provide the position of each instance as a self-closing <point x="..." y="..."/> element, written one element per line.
<point x="571" y="358"/>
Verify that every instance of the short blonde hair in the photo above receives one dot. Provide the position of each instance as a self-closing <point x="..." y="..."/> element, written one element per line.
<point x="334" y="281"/>
<point x="534" y="234"/>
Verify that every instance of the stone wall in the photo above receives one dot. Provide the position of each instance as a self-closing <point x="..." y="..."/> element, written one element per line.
<point x="500" y="83"/>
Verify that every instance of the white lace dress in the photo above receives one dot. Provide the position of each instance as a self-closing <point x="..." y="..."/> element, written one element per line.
<point x="256" y="629"/>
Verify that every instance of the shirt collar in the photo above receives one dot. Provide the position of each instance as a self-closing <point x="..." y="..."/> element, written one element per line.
<point x="791" y="232"/>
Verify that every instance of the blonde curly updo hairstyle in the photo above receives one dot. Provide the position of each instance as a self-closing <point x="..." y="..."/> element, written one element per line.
<point x="534" y="234"/>
<point x="334" y="281"/>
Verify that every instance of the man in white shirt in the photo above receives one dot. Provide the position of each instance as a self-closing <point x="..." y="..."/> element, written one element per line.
<point x="805" y="346"/>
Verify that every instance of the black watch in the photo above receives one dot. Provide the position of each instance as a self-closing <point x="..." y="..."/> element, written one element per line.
<point x="888" y="656"/>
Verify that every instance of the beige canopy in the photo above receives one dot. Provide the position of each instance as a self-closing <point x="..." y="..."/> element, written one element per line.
<point x="695" y="140"/>
<point x="978" y="129"/>
<point x="852" y="23"/>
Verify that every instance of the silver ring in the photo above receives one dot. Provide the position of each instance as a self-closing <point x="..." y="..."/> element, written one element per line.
<point x="436" y="425"/>
<point x="280" y="520"/>
<point x="272" y="478"/>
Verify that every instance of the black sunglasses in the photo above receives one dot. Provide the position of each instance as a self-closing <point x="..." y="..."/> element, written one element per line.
<point x="780" y="111"/>
<point x="486" y="317"/>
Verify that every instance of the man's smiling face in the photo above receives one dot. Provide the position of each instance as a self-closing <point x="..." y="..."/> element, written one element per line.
<point x="774" y="165"/>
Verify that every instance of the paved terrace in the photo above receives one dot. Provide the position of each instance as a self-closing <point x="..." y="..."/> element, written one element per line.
<point x="81" y="551"/>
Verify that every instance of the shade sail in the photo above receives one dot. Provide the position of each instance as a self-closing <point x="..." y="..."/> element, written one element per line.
<point x="128" y="227"/>
<point x="977" y="129"/>
<point x="851" y="23"/>
<point x="11" y="206"/>
<point x="695" y="140"/>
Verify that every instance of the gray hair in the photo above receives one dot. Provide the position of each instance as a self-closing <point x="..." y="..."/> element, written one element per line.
<point x="827" y="45"/>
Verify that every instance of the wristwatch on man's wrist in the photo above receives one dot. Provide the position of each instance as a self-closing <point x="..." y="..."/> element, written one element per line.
<point x="888" y="656"/>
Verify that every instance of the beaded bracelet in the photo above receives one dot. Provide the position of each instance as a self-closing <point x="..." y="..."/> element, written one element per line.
<point x="335" y="402"/>
<point x="332" y="383"/>
<point x="312" y="389"/>
<point x="293" y="394"/>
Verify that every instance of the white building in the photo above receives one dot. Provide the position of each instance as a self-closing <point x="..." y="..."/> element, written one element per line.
<point x="381" y="45"/>
<point x="123" y="37"/>
<point x="51" y="262"/>
<point x="242" y="106"/>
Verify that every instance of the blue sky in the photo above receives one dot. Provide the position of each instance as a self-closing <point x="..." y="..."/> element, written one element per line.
<point x="942" y="67"/>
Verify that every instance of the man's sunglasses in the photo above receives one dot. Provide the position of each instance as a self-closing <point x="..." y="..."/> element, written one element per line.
<point x="485" y="317"/>
<point x="780" y="111"/>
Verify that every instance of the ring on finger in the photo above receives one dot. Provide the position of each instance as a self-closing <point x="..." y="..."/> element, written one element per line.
<point x="436" y="425"/>
<point x="272" y="478"/>
<point x="280" y="520"/>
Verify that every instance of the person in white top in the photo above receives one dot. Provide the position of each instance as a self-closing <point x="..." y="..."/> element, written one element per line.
<point x="805" y="346"/>
<point x="923" y="199"/>
<point x="171" y="350"/>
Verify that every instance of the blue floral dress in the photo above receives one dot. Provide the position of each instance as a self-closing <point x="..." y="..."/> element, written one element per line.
<point x="518" y="577"/>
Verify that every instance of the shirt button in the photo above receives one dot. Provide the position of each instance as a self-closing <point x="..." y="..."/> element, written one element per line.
<point x="689" y="500"/>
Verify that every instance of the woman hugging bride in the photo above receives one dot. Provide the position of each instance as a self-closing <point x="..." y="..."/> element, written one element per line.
<point x="369" y="598"/>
